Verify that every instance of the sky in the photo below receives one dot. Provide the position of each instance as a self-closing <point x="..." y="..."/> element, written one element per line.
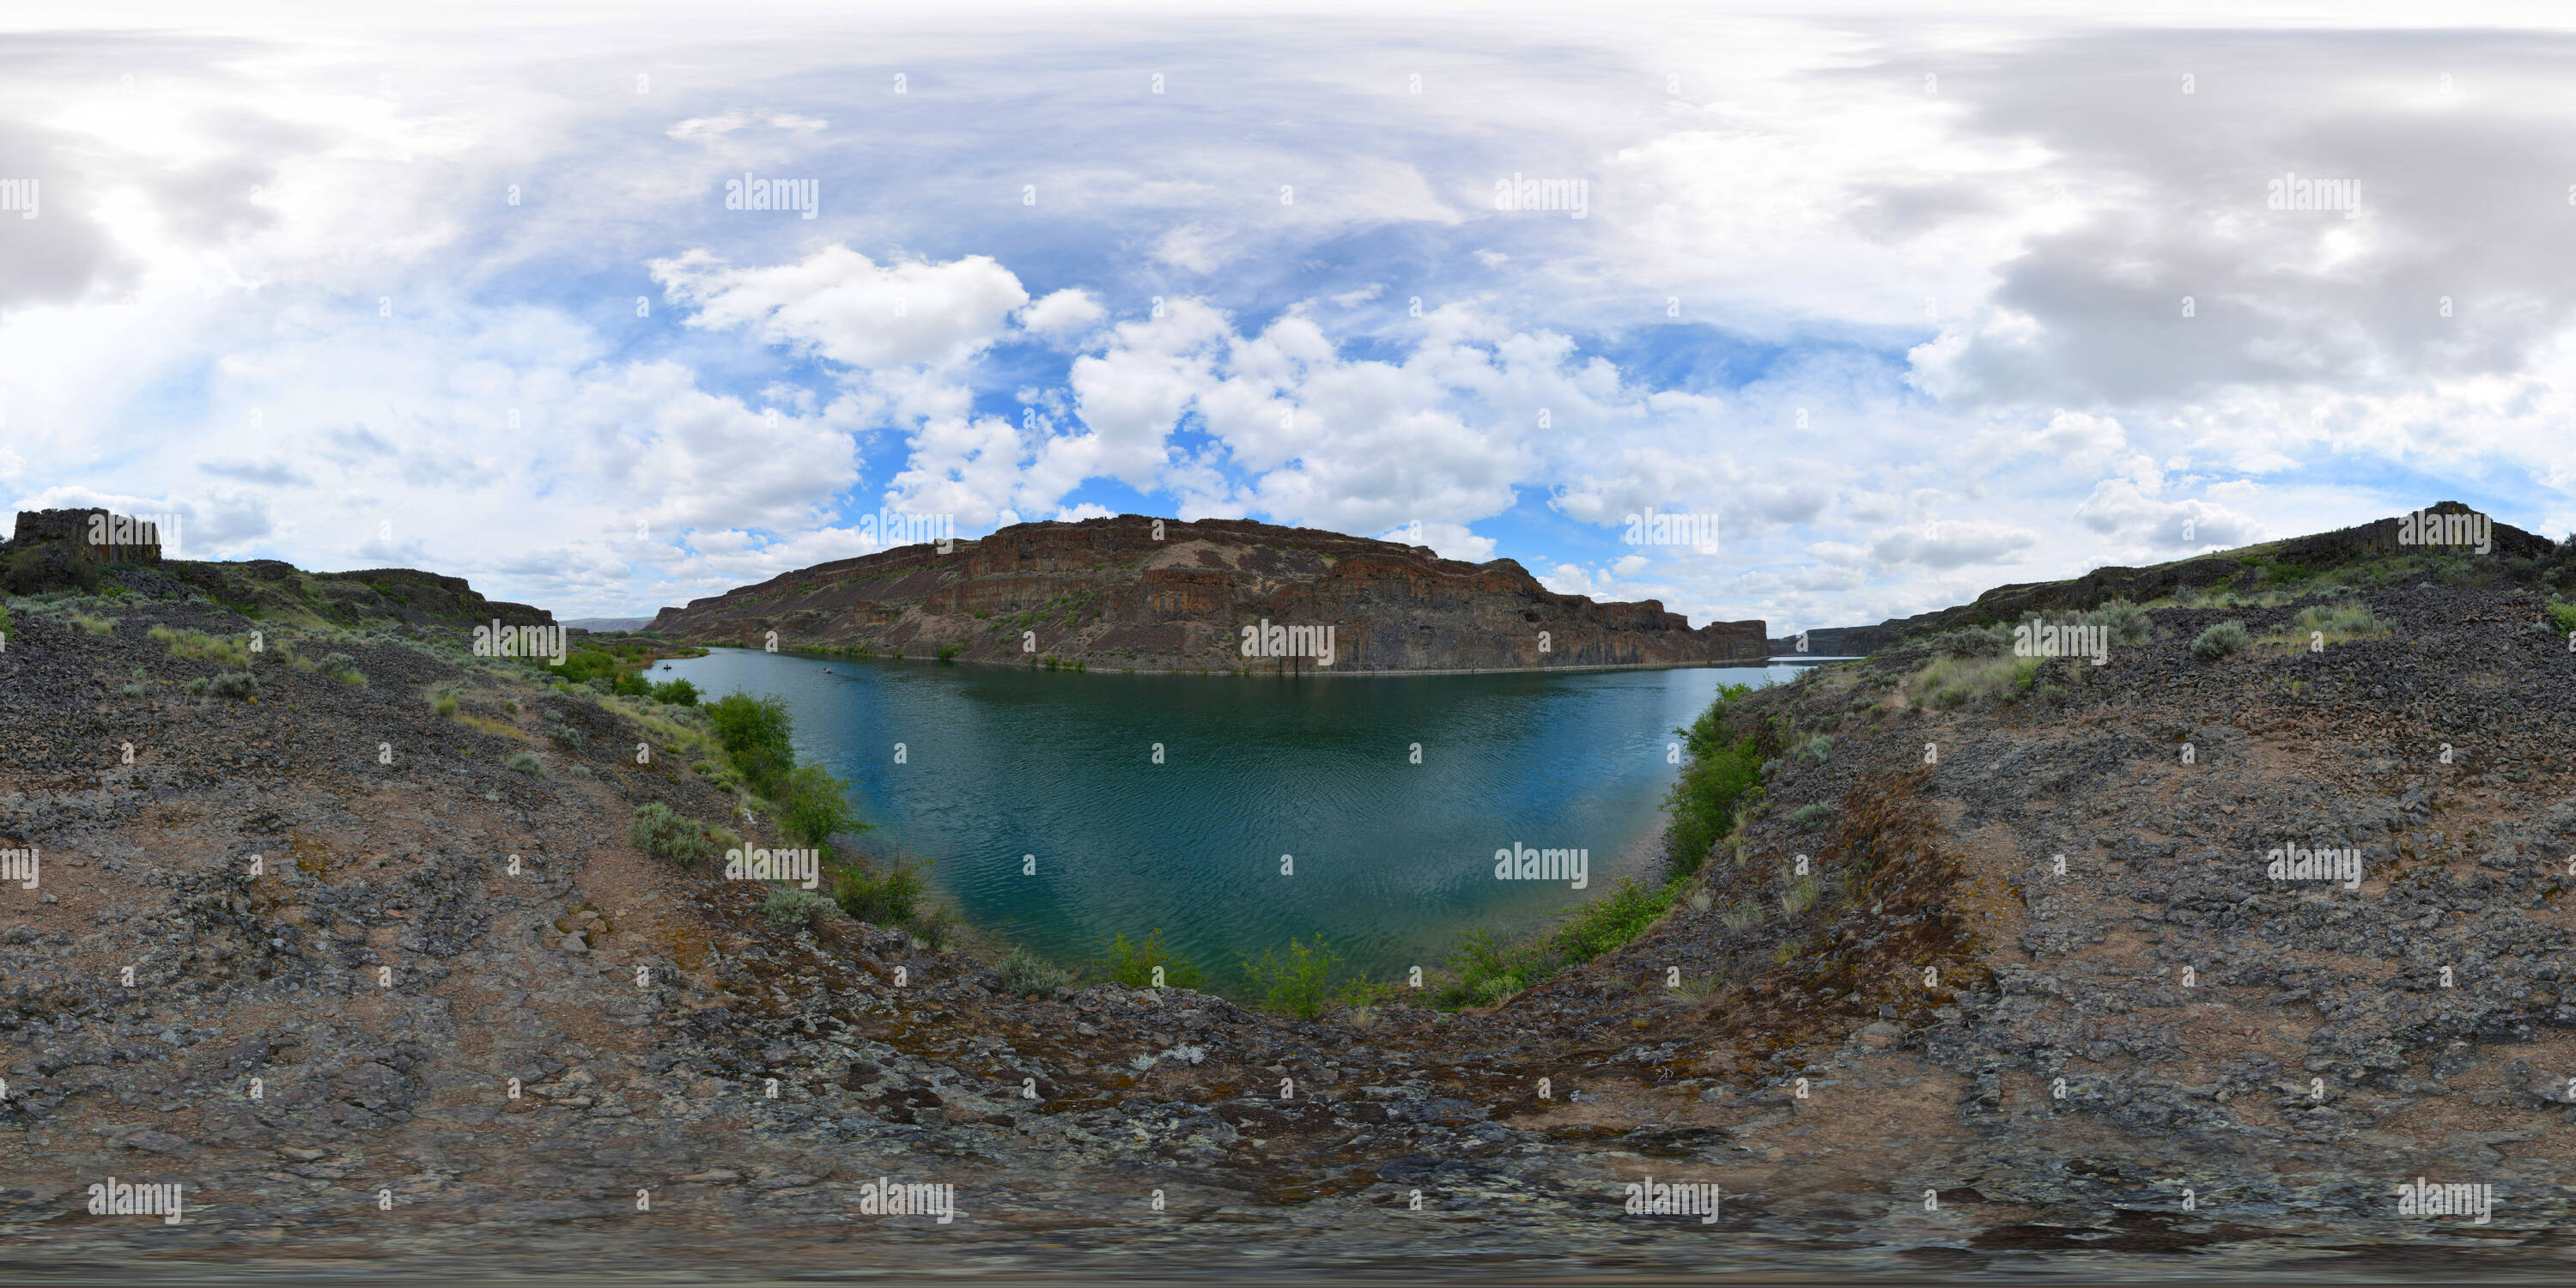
<point x="1886" y="306"/>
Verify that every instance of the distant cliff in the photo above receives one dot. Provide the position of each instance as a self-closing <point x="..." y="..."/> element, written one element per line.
<point x="1161" y="595"/>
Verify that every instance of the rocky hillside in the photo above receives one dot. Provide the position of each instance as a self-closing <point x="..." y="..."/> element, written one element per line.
<point x="49" y="552"/>
<point x="1163" y="595"/>
<point x="297" y="951"/>
<point x="2248" y="569"/>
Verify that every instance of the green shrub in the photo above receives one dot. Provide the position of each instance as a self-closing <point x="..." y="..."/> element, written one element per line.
<point x="933" y="927"/>
<point x="814" y="805"/>
<point x="1133" y="964"/>
<point x="584" y="665"/>
<point x="1714" y="782"/>
<point x="1814" y="750"/>
<point x="679" y="693"/>
<point x="444" y="705"/>
<point x="2128" y="623"/>
<point x="948" y="654"/>
<point x="670" y="836"/>
<point x="1029" y="975"/>
<point x="344" y="668"/>
<point x="7" y="623"/>
<point x="196" y="688"/>
<point x="1298" y="983"/>
<point x="130" y="690"/>
<point x="233" y="686"/>
<point x="2218" y="641"/>
<point x="890" y="897"/>
<point x="1812" y="816"/>
<point x="94" y="625"/>
<point x="1489" y="970"/>
<point x="1993" y="640"/>
<point x="787" y="906"/>
<point x="567" y="737"/>
<point x="757" y="734"/>
<point x="1612" y="921"/>
<point x="526" y="763"/>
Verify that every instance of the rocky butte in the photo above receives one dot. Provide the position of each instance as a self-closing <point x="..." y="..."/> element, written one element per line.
<point x="1162" y="595"/>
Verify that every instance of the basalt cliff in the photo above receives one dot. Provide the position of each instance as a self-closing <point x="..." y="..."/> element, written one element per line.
<point x="1162" y="595"/>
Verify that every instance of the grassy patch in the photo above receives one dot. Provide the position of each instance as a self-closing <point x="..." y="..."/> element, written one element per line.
<point x="486" y="724"/>
<point x="93" y="625"/>
<point x="1612" y="921"/>
<point x="1953" y="681"/>
<point x="2332" y="623"/>
<point x="198" y="644"/>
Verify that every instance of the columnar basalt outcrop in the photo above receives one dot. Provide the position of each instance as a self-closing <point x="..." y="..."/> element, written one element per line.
<point x="1157" y="595"/>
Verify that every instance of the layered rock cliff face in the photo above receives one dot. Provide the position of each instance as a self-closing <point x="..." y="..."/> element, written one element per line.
<point x="1157" y="595"/>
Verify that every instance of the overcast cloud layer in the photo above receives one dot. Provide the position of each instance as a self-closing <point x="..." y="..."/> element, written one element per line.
<point x="1910" y="307"/>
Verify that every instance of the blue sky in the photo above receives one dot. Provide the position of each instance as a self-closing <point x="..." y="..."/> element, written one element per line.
<point x="1902" y="308"/>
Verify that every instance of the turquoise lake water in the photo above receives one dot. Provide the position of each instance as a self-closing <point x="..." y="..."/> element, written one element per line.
<point x="1391" y="859"/>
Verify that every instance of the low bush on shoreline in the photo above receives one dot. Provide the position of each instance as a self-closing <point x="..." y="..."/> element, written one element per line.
<point x="1612" y="921"/>
<point x="1297" y="984"/>
<point x="1133" y="964"/>
<point x="1716" y="779"/>
<point x="756" y="734"/>
<point x="1029" y="975"/>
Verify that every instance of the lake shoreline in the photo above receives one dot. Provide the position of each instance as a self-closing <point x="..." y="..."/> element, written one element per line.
<point x="1172" y="805"/>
